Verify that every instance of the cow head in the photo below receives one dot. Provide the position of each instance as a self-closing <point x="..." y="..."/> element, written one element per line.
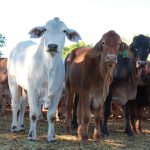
<point x="109" y="46"/>
<point x="53" y="35"/>
<point x="140" y="48"/>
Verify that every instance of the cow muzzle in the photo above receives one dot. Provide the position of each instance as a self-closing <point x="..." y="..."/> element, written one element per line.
<point x="52" y="48"/>
<point x="141" y="63"/>
<point x="110" y="58"/>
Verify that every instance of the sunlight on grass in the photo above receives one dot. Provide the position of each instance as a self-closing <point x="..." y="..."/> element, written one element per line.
<point x="115" y="143"/>
<point x="68" y="137"/>
<point x="147" y="131"/>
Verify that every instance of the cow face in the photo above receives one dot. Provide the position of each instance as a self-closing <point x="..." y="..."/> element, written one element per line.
<point x="140" y="48"/>
<point x="110" y="46"/>
<point x="53" y="35"/>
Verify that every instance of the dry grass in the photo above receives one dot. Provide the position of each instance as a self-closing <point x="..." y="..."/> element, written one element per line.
<point x="117" y="140"/>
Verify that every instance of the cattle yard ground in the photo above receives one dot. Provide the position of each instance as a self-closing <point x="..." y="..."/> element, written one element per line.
<point x="117" y="140"/>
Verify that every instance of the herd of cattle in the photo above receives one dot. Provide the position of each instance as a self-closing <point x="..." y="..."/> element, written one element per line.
<point x="88" y="81"/>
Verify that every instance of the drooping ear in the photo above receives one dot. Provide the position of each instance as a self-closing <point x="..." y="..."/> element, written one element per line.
<point x="37" y="32"/>
<point x="73" y="35"/>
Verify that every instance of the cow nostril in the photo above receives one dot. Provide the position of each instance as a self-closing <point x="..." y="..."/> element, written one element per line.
<point x="110" y="65"/>
<point x="115" y="59"/>
<point x="52" y="46"/>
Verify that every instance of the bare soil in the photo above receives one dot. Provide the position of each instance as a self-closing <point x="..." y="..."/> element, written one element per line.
<point x="116" y="141"/>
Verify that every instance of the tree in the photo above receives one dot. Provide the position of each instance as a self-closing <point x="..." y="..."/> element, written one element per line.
<point x="2" y="42"/>
<point x="68" y="49"/>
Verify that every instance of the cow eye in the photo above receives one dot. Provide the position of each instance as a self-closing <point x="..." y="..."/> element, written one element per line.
<point x="65" y="31"/>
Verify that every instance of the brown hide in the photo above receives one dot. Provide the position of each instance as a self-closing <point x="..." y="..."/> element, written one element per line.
<point x="125" y="89"/>
<point x="4" y="89"/>
<point x="89" y="73"/>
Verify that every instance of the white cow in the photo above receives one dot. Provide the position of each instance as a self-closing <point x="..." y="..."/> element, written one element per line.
<point x="39" y="69"/>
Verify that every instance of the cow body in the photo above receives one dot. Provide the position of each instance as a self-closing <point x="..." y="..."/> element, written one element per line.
<point x="142" y="100"/>
<point x="5" y="95"/>
<point x="89" y="74"/>
<point x="140" y="43"/>
<point x="122" y="89"/>
<point x="38" y="69"/>
<point x="126" y="79"/>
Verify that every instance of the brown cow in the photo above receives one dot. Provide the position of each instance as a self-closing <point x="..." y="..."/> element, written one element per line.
<point x="4" y="89"/>
<point x="89" y="74"/>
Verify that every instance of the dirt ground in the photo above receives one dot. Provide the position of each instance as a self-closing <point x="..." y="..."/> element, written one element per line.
<point x="116" y="141"/>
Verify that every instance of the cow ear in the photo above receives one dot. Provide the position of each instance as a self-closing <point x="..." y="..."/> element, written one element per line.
<point x="73" y="35"/>
<point x="37" y="32"/>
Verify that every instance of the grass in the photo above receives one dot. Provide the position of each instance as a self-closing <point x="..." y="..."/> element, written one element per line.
<point x="117" y="140"/>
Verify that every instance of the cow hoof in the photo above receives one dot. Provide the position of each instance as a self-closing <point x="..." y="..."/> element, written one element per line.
<point x="129" y="133"/>
<point x="52" y="141"/>
<point x="21" y="128"/>
<point x="96" y="138"/>
<point x="138" y="131"/>
<point x="31" y="136"/>
<point x="32" y="140"/>
<point x="84" y="142"/>
<point x="104" y="133"/>
<point x="14" y="129"/>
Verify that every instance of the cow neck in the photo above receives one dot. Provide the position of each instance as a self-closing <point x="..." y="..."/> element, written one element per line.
<point x="43" y="56"/>
<point x="95" y="64"/>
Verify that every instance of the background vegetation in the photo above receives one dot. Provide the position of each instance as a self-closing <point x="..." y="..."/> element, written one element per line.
<point x="2" y="42"/>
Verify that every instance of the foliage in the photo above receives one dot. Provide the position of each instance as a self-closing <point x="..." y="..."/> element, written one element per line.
<point x="2" y="40"/>
<point x="68" y="49"/>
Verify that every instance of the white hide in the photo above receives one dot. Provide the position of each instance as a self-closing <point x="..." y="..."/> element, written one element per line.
<point x="39" y="72"/>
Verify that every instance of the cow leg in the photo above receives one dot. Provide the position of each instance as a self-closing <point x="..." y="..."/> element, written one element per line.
<point x="34" y="114"/>
<point x="106" y="114"/>
<point x="138" y="120"/>
<point x="51" y="116"/>
<point x="61" y="109"/>
<point x="97" y="119"/>
<point x="23" y="106"/>
<point x="69" y="106"/>
<point x="127" y="121"/>
<point x="86" y="116"/>
<point x="3" y="106"/>
<point x="75" y="105"/>
<point x="16" y="93"/>
<point x="132" y="112"/>
<point x="79" y="117"/>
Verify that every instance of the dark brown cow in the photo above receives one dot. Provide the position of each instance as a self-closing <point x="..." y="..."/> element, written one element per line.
<point x="4" y="89"/>
<point x="89" y="74"/>
<point x="142" y="100"/>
